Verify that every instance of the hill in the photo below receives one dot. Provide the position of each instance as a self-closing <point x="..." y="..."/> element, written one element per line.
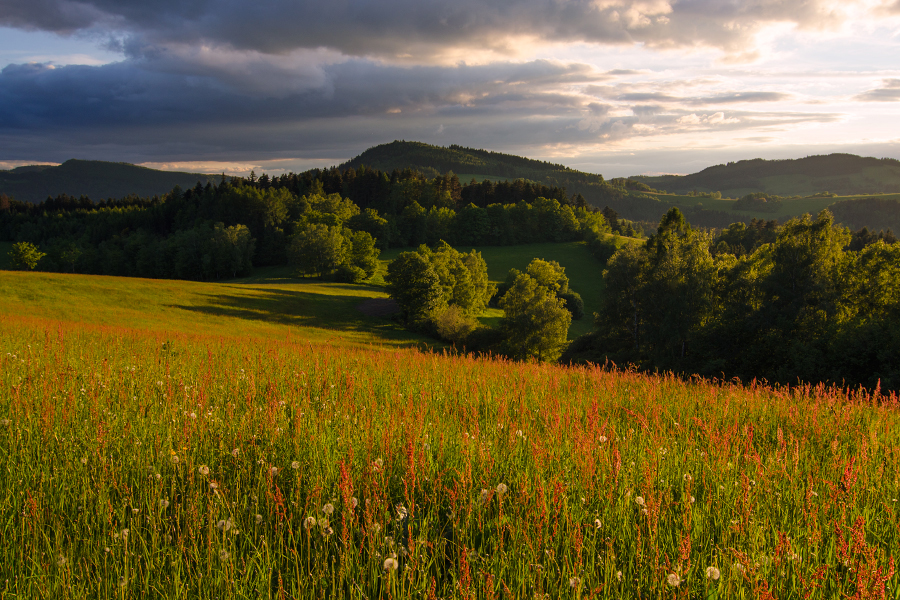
<point x="843" y="174"/>
<point x="96" y="179"/>
<point x="437" y="160"/>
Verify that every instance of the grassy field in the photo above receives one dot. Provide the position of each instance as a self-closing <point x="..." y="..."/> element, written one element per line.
<point x="269" y="304"/>
<point x="585" y="273"/>
<point x="162" y="464"/>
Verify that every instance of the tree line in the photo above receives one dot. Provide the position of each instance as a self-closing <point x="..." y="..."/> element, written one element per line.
<point x="806" y="301"/>
<point x="327" y="223"/>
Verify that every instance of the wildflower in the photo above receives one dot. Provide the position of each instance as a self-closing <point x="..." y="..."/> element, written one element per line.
<point x="501" y="489"/>
<point x="712" y="573"/>
<point x="390" y="564"/>
<point x="639" y="500"/>
<point x="602" y="439"/>
<point x="224" y="555"/>
<point x="573" y="582"/>
<point x="163" y="504"/>
<point x="259" y="519"/>
<point x="673" y="580"/>
<point x="308" y="524"/>
<point x="224" y="525"/>
<point x="328" y="509"/>
<point x="295" y="465"/>
<point x="203" y="470"/>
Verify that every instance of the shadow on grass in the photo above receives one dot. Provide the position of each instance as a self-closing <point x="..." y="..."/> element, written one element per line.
<point x="302" y="309"/>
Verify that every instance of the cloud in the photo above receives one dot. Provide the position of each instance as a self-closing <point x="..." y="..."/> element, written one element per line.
<point x="888" y="92"/>
<point x="420" y="32"/>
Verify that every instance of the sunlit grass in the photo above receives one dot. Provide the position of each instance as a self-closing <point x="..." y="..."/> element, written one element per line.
<point x="152" y="464"/>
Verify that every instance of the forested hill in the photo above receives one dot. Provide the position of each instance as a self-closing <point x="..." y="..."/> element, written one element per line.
<point x="842" y="174"/>
<point x="437" y="160"/>
<point x="93" y="178"/>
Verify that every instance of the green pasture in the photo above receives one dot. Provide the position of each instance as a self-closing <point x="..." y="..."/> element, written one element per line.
<point x="585" y="273"/>
<point x="269" y="304"/>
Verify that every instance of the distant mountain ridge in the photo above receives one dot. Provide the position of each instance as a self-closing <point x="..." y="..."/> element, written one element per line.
<point x="96" y="179"/>
<point x="437" y="160"/>
<point x="842" y="174"/>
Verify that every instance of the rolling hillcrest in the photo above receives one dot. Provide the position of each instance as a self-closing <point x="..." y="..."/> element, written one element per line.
<point x="96" y="179"/>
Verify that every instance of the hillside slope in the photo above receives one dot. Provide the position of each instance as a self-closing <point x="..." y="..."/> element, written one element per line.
<point x="96" y="179"/>
<point x="468" y="161"/>
<point x="842" y="174"/>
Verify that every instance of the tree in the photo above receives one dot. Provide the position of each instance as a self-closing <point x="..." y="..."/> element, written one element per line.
<point x="317" y="249"/>
<point x="413" y="284"/>
<point x="536" y="322"/>
<point x="26" y="256"/>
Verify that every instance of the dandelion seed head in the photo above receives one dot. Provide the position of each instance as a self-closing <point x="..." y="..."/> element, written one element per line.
<point x="639" y="500"/>
<point x="597" y="524"/>
<point x="164" y="504"/>
<point x="224" y="555"/>
<point x="712" y="573"/>
<point x="61" y="560"/>
<point x="235" y="452"/>
<point x="203" y="470"/>
<point x="602" y="439"/>
<point x="295" y="465"/>
<point x="323" y="522"/>
<point x="619" y="575"/>
<point x="273" y="471"/>
<point x="573" y="582"/>
<point x="259" y="519"/>
<point x="687" y="477"/>
<point x="354" y="502"/>
<point x="402" y="512"/>
<point x="328" y="509"/>
<point x="390" y="564"/>
<point x="125" y="534"/>
<point x="309" y="523"/>
<point x="502" y="489"/>
<point x="379" y="463"/>
<point x="673" y="580"/>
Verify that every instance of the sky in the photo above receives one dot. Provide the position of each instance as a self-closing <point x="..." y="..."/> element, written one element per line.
<point x="617" y="87"/>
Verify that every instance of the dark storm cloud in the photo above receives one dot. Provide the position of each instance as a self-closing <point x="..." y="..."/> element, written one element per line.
<point x="176" y="110"/>
<point x="416" y="30"/>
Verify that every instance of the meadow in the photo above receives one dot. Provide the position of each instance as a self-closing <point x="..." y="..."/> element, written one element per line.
<point x="145" y="462"/>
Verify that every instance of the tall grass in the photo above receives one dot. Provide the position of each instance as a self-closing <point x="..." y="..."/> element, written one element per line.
<point x="157" y="465"/>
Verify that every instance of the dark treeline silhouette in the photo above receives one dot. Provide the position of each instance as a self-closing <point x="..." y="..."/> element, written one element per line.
<point x="805" y="301"/>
